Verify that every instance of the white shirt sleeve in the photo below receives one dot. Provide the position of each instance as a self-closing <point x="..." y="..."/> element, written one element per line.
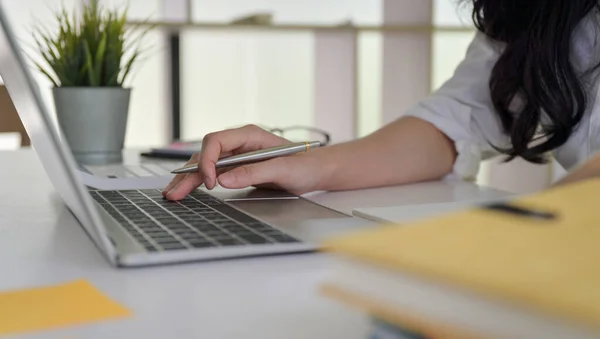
<point x="462" y="109"/>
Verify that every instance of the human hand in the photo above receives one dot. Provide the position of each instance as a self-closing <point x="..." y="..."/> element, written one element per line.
<point x="297" y="174"/>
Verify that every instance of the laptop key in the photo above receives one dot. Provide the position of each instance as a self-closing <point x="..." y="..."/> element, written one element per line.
<point x="144" y="243"/>
<point x="245" y="233"/>
<point x="255" y="239"/>
<point x="142" y="220"/>
<point x="128" y="209"/>
<point x="197" y="221"/>
<point x="168" y="221"/>
<point x="233" y="228"/>
<point x="173" y="246"/>
<point x="205" y="229"/>
<point x="149" y="227"/>
<point x="157" y="234"/>
<point x="144" y="204"/>
<point x="283" y="238"/>
<point x="202" y="224"/>
<point x="196" y="237"/>
<point x="272" y="231"/>
<point x="138" y="237"/>
<point x="165" y="203"/>
<point x="179" y="228"/>
<point x="201" y="244"/>
<point x="229" y="242"/>
<point x="177" y="208"/>
<point x="174" y="243"/>
<point x="151" y="192"/>
<point x="184" y="230"/>
<point x="121" y="219"/>
<point x="164" y="239"/>
<point x="187" y="213"/>
<point x="234" y="214"/>
<point x="215" y="233"/>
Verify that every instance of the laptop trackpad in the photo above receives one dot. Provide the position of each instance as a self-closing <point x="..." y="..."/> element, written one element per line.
<point x="285" y="211"/>
<point x="303" y="219"/>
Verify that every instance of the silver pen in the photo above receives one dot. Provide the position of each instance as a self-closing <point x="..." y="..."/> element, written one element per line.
<point x="255" y="156"/>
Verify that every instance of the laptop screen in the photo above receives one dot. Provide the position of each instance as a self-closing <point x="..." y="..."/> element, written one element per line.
<point x="55" y="156"/>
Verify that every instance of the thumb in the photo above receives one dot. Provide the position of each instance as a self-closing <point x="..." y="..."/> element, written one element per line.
<point x="267" y="172"/>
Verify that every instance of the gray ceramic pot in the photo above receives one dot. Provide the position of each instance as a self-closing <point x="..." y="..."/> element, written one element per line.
<point x="93" y="121"/>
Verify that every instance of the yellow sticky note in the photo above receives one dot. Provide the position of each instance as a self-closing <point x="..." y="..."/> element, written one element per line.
<point x="53" y="307"/>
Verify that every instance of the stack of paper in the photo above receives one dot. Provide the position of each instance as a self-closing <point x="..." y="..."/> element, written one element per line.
<point x="510" y="272"/>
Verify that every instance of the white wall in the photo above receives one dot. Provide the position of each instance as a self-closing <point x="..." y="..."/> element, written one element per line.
<point x="26" y="16"/>
<point x="452" y="13"/>
<point x="290" y="11"/>
<point x="147" y="119"/>
<point x="230" y="77"/>
<point x="234" y="78"/>
<point x="370" y="81"/>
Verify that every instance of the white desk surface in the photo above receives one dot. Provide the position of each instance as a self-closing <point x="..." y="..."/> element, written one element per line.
<point x="275" y="297"/>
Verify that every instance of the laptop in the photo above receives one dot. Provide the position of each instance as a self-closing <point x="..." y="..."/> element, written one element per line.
<point x="137" y="226"/>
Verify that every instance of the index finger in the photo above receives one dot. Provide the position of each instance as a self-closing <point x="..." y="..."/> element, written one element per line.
<point x="249" y="137"/>
<point x="179" y="177"/>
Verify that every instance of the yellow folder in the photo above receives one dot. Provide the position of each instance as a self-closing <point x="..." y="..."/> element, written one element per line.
<point x="551" y="266"/>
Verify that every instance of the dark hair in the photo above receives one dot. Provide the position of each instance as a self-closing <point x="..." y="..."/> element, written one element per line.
<point x="535" y="68"/>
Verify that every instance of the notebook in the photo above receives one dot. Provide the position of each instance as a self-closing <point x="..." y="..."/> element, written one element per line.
<point x="180" y="150"/>
<point x="484" y="271"/>
<point x="411" y="213"/>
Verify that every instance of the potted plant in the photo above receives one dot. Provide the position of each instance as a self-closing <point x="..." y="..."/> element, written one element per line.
<point x="89" y="58"/>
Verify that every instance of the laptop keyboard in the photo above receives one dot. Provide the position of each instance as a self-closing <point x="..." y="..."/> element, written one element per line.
<point x="198" y="221"/>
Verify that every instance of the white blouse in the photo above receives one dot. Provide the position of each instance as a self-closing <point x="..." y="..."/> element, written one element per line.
<point x="463" y="110"/>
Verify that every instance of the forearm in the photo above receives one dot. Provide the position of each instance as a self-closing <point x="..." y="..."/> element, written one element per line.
<point x="405" y="151"/>
<point x="590" y="169"/>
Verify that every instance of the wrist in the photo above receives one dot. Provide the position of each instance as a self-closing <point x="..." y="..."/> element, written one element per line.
<point x="325" y="167"/>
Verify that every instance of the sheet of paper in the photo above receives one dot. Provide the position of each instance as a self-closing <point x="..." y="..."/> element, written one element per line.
<point x="54" y="307"/>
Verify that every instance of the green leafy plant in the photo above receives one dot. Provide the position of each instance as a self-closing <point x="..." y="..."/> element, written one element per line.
<point x="97" y="50"/>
